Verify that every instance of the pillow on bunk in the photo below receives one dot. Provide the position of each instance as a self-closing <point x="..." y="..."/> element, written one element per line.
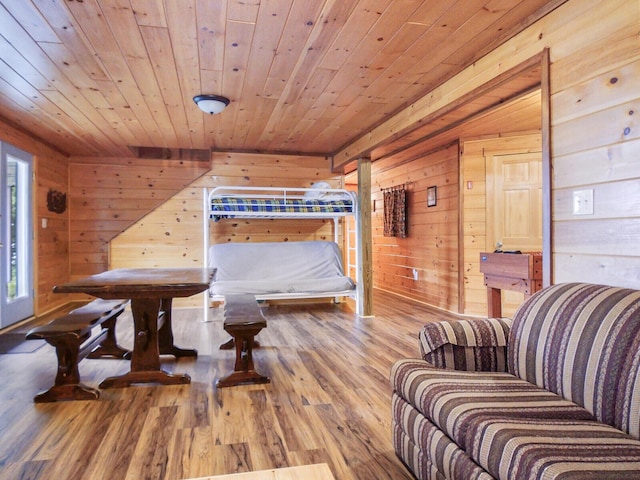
<point x="278" y="267"/>
<point x="323" y="191"/>
<point x="317" y="186"/>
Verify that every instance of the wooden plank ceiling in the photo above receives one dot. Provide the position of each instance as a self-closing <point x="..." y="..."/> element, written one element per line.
<point x="97" y="77"/>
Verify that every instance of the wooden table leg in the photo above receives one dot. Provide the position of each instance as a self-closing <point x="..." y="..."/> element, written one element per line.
<point x="494" y="302"/>
<point x="165" y="335"/>
<point x="145" y="358"/>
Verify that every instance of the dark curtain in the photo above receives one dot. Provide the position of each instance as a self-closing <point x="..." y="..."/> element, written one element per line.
<point x="395" y="208"/>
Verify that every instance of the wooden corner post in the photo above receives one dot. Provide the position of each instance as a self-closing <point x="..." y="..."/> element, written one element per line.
<point x="364" y="238"/>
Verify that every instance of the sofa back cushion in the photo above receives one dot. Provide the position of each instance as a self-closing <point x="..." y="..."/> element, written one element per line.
<point x="582" y="341"/>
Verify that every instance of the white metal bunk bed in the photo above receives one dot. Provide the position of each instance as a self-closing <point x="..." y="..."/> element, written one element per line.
<point x="302" y="203"/>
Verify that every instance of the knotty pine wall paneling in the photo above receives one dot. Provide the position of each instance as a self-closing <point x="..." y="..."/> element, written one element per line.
<point x="595" y="136"/>
<point x="108" y="195"/>
<point x="431" y="245"/>
<point x="172" y="235"/>
<point x="595" y="106"/>
<point x="594" y="51"/>
<point x="51" y="243"/>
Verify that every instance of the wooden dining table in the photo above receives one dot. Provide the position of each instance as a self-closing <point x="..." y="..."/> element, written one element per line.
<point x="151" y="291"/>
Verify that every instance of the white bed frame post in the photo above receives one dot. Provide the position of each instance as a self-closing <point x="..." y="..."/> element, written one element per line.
<point x="205" y="245"/>
<point x="359" y="300"/>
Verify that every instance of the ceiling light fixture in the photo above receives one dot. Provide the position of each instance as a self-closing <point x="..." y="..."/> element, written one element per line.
<point x="211" y="104"/>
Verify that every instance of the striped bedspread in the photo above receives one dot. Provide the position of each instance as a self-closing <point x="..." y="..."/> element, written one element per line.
<point x="262" y="207"/>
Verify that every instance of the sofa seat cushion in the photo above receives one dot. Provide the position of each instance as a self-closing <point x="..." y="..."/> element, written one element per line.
<point x="452" y="399"/>
<point x="557" y="449"/>
<point x="514" y="429"/>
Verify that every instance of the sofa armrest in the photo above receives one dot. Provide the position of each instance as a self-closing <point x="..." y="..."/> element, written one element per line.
<point x="466" y="344"/>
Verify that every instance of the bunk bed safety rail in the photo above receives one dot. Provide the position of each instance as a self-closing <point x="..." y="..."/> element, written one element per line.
<point x="280" y="202"/>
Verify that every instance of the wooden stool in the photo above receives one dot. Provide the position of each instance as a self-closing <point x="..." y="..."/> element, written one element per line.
<point x="243" y="320"/>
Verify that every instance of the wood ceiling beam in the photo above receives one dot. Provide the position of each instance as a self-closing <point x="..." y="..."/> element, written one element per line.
<point x="419" y="114"/>
<point x="458" y="122"/>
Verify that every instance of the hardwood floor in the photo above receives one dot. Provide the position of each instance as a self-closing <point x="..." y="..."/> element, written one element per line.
<point x="328" y="401"/>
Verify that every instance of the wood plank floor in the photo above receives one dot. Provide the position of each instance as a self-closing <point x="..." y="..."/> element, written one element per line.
<point x="328" y="401"/>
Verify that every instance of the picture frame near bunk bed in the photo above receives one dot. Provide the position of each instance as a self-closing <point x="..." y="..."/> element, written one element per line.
<point x="432" y="196"/>
<point x="319" y="202"/>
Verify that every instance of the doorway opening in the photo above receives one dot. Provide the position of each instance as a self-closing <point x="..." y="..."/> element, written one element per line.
<point x="16" y="236"/>
<point x="483" y="215"/>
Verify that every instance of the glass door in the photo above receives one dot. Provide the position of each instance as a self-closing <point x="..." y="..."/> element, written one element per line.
<point x="16" y="236"/>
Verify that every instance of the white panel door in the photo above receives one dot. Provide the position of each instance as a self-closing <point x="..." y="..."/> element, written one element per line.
<point x="514" y="209"/>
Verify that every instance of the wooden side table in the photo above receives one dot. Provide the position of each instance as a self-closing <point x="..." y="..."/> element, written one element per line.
<point x="518" y="272"/>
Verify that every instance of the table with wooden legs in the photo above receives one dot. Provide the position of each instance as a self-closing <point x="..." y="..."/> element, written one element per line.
<point x="518" y="272"/>
<point x="151" y="291"/>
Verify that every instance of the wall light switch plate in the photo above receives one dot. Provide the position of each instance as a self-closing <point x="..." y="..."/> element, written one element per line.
<point x="583" y="202"/>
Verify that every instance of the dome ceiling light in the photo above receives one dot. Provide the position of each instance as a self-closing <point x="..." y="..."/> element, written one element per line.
<point x="211" y="104"/>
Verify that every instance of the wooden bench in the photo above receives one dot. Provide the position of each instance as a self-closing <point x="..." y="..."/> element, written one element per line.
<point x="243" y="320"/>
<point x="73" y="337"/>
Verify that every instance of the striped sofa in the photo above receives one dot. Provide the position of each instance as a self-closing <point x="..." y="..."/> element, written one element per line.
<point x="553" y="394"/>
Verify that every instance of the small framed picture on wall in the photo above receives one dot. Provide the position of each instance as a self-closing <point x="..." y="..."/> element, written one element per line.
<point x="432" y="196"/>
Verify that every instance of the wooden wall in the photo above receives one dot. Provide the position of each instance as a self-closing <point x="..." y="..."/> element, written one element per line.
<point x="108" y="195"/>
<point x="173" y="234"/>
<point x="51" y="252"/>
<point x="595" y="138"/>
<point x="431" y="246"/>
<point x="595" y="107"/>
